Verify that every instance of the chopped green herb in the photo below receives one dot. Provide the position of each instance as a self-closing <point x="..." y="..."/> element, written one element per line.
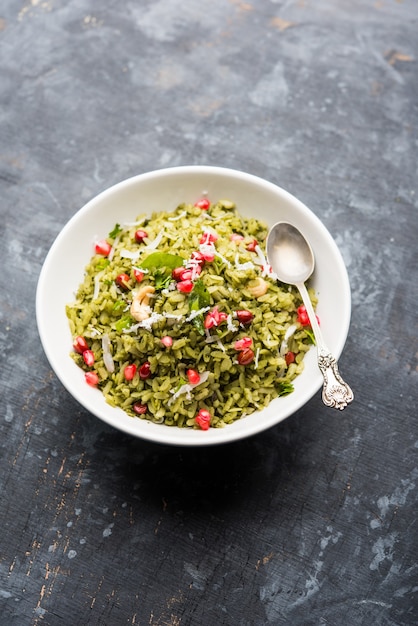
<point x="182" y="382"/>
<point x="200" y="294"/>
<point x="102" y="263"/>
<point x="119" y="304"/>
<point x="310" y="335"/>
<point x="123" y="322"/>
<point x="115" y="232"/>
<point x="162" y="263"/>
<point x="162" y="279"/>
<point x="198" y="299"/>
<point x="285" y="388"/>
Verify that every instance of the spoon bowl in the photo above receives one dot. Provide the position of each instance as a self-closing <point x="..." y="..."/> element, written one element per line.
<point x="290" y="254"/>
<point x="292" y="260"/>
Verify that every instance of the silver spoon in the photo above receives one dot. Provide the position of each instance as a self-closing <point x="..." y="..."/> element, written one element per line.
<point x="292" y="260"/>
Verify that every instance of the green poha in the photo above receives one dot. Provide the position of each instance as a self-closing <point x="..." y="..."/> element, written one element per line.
<point x="181" y="321"/>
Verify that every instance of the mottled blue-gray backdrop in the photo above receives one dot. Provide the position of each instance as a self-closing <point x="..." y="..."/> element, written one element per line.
<point x="314" y="522"/>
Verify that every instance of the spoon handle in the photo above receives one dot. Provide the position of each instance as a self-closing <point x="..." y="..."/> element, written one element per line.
<point x="335" y="392"/>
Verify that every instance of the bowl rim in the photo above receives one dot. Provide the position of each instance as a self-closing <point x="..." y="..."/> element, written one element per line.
<point x="243" y="427"/>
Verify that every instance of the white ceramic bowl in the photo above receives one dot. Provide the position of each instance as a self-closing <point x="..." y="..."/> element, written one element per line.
<point x="64" y="265"/>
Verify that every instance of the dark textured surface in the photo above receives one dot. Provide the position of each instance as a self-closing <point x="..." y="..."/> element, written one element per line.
<point x="311" y="523"/>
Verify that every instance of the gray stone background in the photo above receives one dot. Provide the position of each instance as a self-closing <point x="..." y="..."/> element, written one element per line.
<point x="311" y="523"/>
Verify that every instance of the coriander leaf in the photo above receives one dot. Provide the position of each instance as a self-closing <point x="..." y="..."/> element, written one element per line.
<point x="119" y="304"/>
<point x="162" y="259"/>
<point x="163" y="263"/>
<point x="162" y="279"/>
<point x="200" y="294"/>
<point x="198" y="323"/>
<point x="310" y="335"/>
<point x="182" y="382"/>
<point x="115" y="232"/>
<point x="198" y="299"/>
<point x="122" y="323"/>
<point x="102" y="264"/>
<point x="285" y="388"/>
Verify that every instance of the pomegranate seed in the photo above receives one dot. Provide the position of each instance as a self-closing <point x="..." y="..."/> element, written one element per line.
<point x="246" y="356"/>
<point x="167" y="341"/>
<point x="177" y="272"/>
<point x="80" y="345"/>
<point x="243" y="344"/>
<point x="193" y="376"/>
<point x="303" y="317"/>
<point x="195" y="269"/>
<point x="208" y="252"/>
<point x="139" y="408"/>
<point x="186" y="274"/>
<point x="138" y="275"/>
<point x="88" y="357"/>
<point x="130" y="371"/>
<point x="185" y="286"/>
<point x="209" y="321"/>
<point x="289" y="358"/>
<point x="215" y="314"/>
<point x="140" y="235"/>
<point x="198" y="257"/>
<point x="221" y="316"/>
<point x="252" y="245"/>
<point x="203" y="419"/>
<point x="145" y="370"/>
<point x="204" y="413"/>
<point x="215" y="317"/>
<point x="122" y="281"/>
<point x="103" y="247"/>
<point x="203" y="204"/>
<point x="208" y="237"/>
<point x="236" y="237"/>
<point x="244" y="317"/>
<point x="92" y="379"/>
<point x="212" y="318"/>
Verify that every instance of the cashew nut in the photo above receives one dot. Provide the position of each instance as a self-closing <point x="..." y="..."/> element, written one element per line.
<point x="258" y="287"/>
<point x="140" y="308"/>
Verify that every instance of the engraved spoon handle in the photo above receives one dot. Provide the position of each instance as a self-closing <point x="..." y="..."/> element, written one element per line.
<point x="335" y="392"/>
